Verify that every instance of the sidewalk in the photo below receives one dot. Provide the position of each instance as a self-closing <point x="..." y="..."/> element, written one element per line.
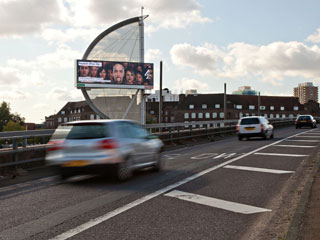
<point x="306" y="222"/>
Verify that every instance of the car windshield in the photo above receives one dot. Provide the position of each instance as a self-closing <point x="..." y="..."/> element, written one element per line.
<point x="246" y="121"/>
<point x="80" y="131"/>
<point x="304" y="118"/>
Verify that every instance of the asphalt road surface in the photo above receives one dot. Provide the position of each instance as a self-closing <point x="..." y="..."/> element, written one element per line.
<point x="227" y="189"/>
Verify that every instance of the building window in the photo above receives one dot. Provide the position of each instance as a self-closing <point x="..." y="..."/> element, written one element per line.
<point x="65" y="119"/>
<point x="277" y="116"/>
<point x="271" y="115"/>
<point x="97" y="117"/>
<point x="204" y="106"/>
<point x="151" y="111"/>
<point x="217" y="105"/>
<point x="62" y="112"/>
<point x="200" y="115"/>
<point x="91" y="116"/>
<point x="79" y="110"/>
<point x="186" y="115"/>
<point x="283" y="116"/>
<point x="251" y="107"/>
<point x="262" y="107"/>
<point x="191" y="106"/>
<point x="238" y="106"/>
<point x="207" y="115"/>
<point x="271" y="107"/>
<point x="221" y="115"/>
<point x="166" y="119"/>
<point x="291" y="116"/>
<point x="193" y="115"/>
<point x="247" y="114"/>
<point x="266" y="115"/>
<point x="166" y="113"/>
<point x="172" y="119"/>
<point x="214" y="115"/>
<point x="296" y="108"/>
<point x="240" y="114"/>
<point x="59" y="119"/>
<point x="282" y="108"/>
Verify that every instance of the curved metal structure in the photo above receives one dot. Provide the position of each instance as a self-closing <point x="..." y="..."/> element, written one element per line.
<point x="93" y="45"/>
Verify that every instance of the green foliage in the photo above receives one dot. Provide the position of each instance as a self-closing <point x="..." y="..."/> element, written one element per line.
<point x="6" y="116"/>
<point x="13" y="126"/>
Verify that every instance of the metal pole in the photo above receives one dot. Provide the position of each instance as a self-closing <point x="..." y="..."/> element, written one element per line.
<point x="225" y="101"/>
<point x="141" y="32"/>
<point x="160" y="94"/>
<point x="259" y="113"/>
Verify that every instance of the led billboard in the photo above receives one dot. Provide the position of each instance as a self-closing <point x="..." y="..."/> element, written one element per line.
<point x="106" y="74"/>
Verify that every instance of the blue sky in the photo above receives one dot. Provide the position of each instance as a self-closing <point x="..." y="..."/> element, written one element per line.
<point x="271" y="46"/>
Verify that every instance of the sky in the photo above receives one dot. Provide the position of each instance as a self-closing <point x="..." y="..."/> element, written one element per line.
<point x="270" y="45"/>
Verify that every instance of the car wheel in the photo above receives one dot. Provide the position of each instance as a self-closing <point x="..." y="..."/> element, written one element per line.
<point x="271" y="137"/>
<point x="159" y="163"/>
<point x="296" y="127"/>
<point x="65" y="173"/>
<point x="240" y="138"/>
<point x="264" y="136"/>
<point x="124" y="170"/>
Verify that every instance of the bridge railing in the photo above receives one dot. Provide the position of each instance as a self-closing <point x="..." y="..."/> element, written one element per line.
<point x="13" y="144"/>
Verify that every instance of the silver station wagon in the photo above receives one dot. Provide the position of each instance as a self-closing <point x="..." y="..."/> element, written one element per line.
<point x="116" y="147"/>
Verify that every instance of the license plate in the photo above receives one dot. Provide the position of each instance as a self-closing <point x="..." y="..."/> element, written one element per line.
<point x="303" y="121"/>
<point x="249" y="128"/>
<point x="78" y="163"/>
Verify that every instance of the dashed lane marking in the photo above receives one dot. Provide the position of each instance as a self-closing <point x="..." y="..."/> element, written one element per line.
<point x="254" y="169"/>
<point x="281" y="154"/>
<point x="306" y="140"/>
<point x="294" y="146"/>
<point x="216" y="203"/>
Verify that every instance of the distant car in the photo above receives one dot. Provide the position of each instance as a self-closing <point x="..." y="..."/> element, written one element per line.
<point x="103" y="146"/>
<point x="305" y="121"/>
<point x="254" y="126"/>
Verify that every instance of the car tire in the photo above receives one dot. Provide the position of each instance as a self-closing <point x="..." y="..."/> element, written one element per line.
<point x="124" y="170"/>
<point x="65" y="174"/>
<point x="271" y="136"/>
<point x="296" y="127"/>
<point x="239" y="138"/>
<point x="159" y="163"/>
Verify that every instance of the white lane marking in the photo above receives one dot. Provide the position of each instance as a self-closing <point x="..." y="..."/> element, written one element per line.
<point x="294" y="146"/>
<point x="293" y="140"/>
<point x="308" y="136"/>
<point x="107" y="216"/>
<point x="172" y="156"/>
<point x="225" y="155"/>
<point x="254" y="169"/>
<point x="204" y="155"/>
<point x="216" y="203"/>
<point x="282" y="154"/>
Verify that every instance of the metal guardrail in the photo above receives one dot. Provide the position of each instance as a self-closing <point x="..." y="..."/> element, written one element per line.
<point x="168" y="132"/>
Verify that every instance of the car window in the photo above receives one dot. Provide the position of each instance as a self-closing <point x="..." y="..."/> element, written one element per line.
<point x="130" y="130"/>
<point x="87" y="131"/>
<point x="304" y="118"/>
<point x="246" y="121"/>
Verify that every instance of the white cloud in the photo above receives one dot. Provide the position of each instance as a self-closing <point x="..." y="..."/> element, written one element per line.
<point x="9" y="76"/>
<point x="153" y="55"/>
<point x="315" y="38"/>
<point x="185" y="84"/>
<point x="28" y="16"/>
<point x="272" y="62"/>
<point x="14" y="94"/>
<point x="64" y="94"/>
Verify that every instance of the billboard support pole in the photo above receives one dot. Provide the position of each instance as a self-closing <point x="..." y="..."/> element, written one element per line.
<point x="141" y="32"/>
<point x="130" y="104"/>
<point x="160" y="94"/>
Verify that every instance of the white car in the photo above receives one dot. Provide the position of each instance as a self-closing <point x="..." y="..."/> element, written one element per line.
<point x="98" y="146"/>
<point x="254" y="126"/>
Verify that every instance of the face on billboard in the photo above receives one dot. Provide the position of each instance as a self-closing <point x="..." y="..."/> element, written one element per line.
<point x="106" y="74"/>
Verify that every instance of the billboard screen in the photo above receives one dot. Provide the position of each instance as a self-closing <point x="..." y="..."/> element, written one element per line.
<point x="106" y="74"/>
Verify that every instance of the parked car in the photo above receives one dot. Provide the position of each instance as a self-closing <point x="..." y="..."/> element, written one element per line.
<point x="103" y="146"/>
<point x="254" y="126"/>
<point x="305" y="121"/>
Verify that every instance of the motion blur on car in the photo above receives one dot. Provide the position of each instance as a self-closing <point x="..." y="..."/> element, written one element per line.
<point x="306" y="121"/>
<point x="254" y="126"/>
<point x="116" y="147"/>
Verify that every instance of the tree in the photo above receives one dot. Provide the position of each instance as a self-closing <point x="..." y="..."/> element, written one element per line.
<point x="13" y="126"/>
<point x="6" y="116"/>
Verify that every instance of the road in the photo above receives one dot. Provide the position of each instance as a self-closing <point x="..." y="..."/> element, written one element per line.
<point x="227" y="189"/>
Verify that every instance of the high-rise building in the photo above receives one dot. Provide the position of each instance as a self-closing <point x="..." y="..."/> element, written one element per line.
<point x="305" y="92"/>
<point x="245" y="90"/>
